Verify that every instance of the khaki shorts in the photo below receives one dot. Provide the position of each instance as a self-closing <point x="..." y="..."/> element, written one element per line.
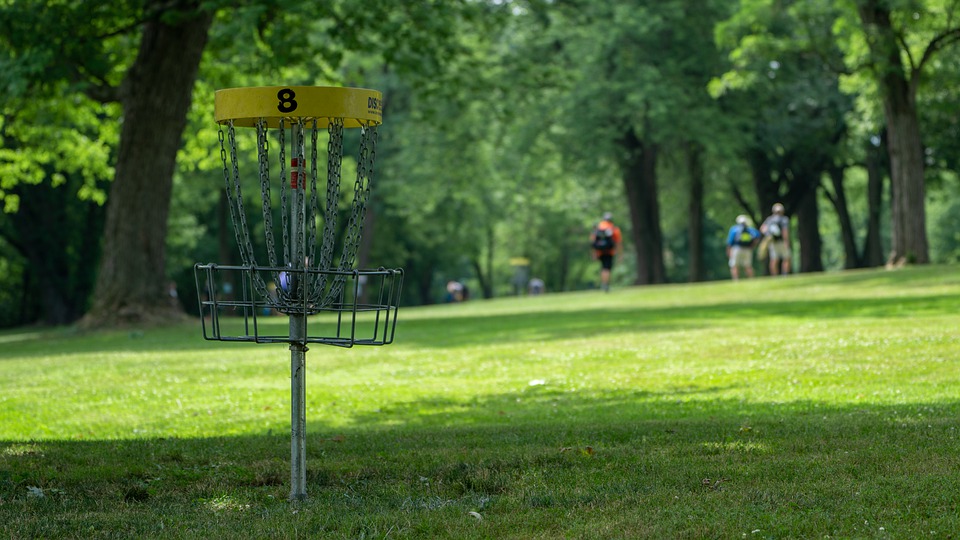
<point x="741" y="256"/>
<point x="779" y="250"/>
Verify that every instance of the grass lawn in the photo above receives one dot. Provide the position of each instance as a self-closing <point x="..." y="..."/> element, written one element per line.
<point x="816" y="406"/>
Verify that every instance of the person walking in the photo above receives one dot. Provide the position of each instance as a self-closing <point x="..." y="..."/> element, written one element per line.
<point x="776" y="229"/>
<point x="606" y="240"/>
<point x="740" y="242"/>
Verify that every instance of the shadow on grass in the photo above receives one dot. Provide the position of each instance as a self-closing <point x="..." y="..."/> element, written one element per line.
<point x="565" y="461"/>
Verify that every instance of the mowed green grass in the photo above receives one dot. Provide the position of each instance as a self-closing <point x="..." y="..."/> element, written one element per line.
<point x="816" y="406"/>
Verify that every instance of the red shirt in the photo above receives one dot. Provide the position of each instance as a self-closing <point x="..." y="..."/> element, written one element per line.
<point x="617" y="237"/>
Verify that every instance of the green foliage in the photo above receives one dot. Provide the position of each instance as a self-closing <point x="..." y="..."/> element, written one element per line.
<point x="44" y="140"/>
<point x="781" y="57"/>
<point x="651" y="412"/>
<point x="46" y="43"/>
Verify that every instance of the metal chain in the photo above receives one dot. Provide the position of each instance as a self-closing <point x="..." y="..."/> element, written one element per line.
<point x="237" y="213"/>
<point x="300" y="245"/>
<point x="299" y="252"/>
<point x="284" y="222"/>
<point x="334" y="157"/>
<point x="314" y="196"/>
<point x="320" y="280"/>
<point x="329" y="239"/>
<point x="361" y="194"/>
<point x="234" y="197"/>
<point x="263" y="155"/>
<point x="229" y="191"/>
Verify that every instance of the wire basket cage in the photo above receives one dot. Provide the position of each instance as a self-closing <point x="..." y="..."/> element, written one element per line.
<point x="364" y="312"/>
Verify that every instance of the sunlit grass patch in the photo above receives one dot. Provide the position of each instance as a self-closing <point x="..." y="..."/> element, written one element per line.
<point x="225" y="503"/>
<point x="20" y="450"/>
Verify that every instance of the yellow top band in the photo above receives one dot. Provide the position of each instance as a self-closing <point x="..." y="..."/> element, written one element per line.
<point x="245" y="106"/>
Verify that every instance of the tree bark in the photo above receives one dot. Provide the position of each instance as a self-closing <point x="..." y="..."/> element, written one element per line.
<point x="808" y="233"/>
<point x="767" y="188"/>
<point x="851" y="258"/>
<point x="156" y="96"/>
<point x="485" y="277"/>
<point x="908" y="211"/>
<point x="696" y="271"/>
<point x="898" y="90"/>
<point x="639" y="166"/>
<point x="872" y="246"/>
<point x="420" y="275"/>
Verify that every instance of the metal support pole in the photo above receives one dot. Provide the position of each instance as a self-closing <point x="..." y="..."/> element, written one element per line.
<point x="298" y="409"/>
<point x="298" y="324"/>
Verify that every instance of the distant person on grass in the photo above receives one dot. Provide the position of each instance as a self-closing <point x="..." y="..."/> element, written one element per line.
<point x="456" y="292"/>
<point x="536" y="287"/>
<point x="740" y="242"/>
<point x="606" y="241"/>
<point x="776" y="231"/>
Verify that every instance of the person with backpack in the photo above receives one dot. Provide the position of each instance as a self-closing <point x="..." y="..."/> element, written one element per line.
<point x="740" y="242"/>
<point x="606" y="241"/>
<point x="776" y="229"/>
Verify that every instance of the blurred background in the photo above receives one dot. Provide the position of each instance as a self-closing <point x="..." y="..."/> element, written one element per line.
<point x="509" y="128"/>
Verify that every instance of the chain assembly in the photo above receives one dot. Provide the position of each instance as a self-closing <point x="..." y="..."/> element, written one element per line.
<point x="304" y="262"/>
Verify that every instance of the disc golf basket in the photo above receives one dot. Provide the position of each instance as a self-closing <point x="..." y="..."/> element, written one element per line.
<point x="309" y="273"/>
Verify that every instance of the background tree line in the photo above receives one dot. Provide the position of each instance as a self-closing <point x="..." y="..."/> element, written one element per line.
<point x="510" y="126"/>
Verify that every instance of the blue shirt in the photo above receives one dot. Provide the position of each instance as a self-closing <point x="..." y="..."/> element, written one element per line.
<point x="742" y="235"/>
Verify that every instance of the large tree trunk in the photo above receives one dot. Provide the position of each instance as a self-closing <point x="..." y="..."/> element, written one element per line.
<point x="639" y="166"/>
<point x="898" y="90"/>
<point x="908" y="215"/>
<point x="808" y="233"/>
<point x="156" y="95"/>
<point x="872" y="246"/>
<point x="696" y="270"/>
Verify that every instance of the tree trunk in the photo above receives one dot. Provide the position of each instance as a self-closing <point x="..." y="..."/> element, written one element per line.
<point x="696" y="270"/>
<point x="839" y="201"/>
<point x="808" y="233"/>
<point x="898" y="90"/>
<point x="485" y="276"/>
<point x="639" y="166"/>
<point x="908" y="211"/>
<point x="420" y="275"/>
<point x="767" y="189"/>
<point x="872" y="246"/>
<point x="156" y="95"/>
